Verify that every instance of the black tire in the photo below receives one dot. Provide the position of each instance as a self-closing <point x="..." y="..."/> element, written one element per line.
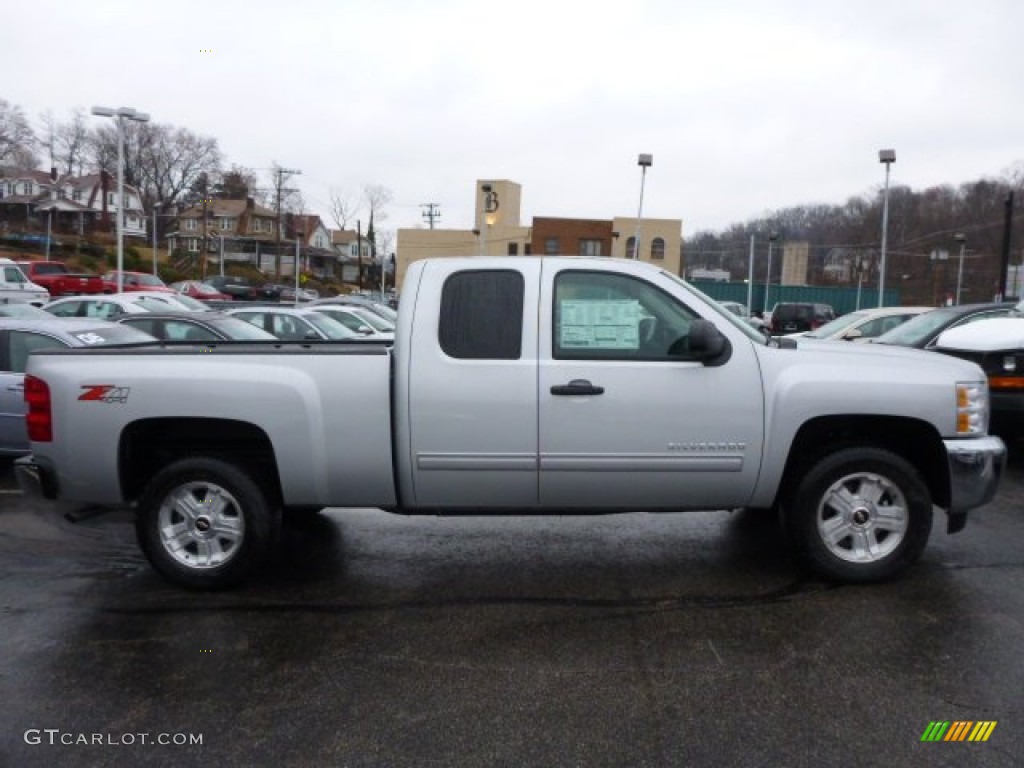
<point x="859" y="514"/>
<point x="206" y="548"/>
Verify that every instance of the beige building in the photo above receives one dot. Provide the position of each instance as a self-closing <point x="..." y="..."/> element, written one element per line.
<point x="794" y="263"/>
<point x="499" y="231"/>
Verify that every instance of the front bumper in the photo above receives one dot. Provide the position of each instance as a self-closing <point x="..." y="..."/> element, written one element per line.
<point x="976" y="466"/>
<point x="36" y="477"/>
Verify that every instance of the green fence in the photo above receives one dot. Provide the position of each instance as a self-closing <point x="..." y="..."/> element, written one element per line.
<point x="842" y="299"/>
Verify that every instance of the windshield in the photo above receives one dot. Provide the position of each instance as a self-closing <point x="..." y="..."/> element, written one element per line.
<point x="240" y="330"/>
<point x="189" y="303"/>
<point x="837" y="326"/>
<point x="374" y="320"/>
<point x="330" y="327"/>
<point x="23" y="310"/>
<point x="920" y="328"/>
<point x="738" y="322"/>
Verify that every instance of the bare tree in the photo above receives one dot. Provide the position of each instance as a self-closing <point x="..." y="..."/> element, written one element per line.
<point x="161" y="160"/>
<point x="17" y="139"/>
<point x="343" y="208"/>
<point x="65" y="143"/>
<point x="377" y="197"/>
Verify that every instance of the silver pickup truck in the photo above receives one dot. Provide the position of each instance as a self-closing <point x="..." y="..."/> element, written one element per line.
<point x="525" y="386"/>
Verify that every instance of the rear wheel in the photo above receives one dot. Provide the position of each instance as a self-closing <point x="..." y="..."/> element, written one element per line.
<point x="859" y="514"/>
<point x="205" y="523"/>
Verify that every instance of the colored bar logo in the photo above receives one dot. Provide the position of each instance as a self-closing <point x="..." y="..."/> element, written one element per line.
<point x="959" y="730"/>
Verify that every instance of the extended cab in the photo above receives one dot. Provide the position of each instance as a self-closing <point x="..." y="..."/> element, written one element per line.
<point x="519" y="385"/>
<point x="56" y="278"/>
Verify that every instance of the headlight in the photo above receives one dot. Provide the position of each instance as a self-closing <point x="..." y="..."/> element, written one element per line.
<point x="971" y="408"/>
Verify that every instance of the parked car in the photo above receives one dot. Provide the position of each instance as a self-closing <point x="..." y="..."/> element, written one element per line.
<point x="134" y="281"/>
<point x="997" y="345"/>
<point x="922" y="331"/>
<point x="740" y="310"/>
<point x="241" y="288"/>
<point x="104" y="307"/>
<point x="794" y="316"/>
<point x="172" y="300"/>
<point x="360" y="301"/>
<point x="361" y="321"/>
<point x="195" y="326"/>
<point x="199" y="290"/>
<point x="21" y="336"/>
<point x="863" y="324"/>
<point x="16" y="288"/>
<point x="56" y="278"/>
<point x="295" y="323"/>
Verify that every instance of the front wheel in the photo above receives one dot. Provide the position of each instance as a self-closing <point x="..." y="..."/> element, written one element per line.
<point x="859" y="514"/>
<point x="205" y="523"/>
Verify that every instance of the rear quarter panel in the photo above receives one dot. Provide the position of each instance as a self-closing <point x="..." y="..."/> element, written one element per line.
<point x="327" y="415"/>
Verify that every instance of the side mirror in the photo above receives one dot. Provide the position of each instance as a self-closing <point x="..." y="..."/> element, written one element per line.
<point x="706" y="343"/>
<point x="853" y="334"/>
<point x="311" y="335"/>
<point x="364" y="329"/>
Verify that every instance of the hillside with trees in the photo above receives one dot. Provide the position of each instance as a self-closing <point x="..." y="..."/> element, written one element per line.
<point x="922" y="254"/>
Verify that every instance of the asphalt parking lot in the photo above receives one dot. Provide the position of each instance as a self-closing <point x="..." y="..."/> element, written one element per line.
<point x="632" y="640"/>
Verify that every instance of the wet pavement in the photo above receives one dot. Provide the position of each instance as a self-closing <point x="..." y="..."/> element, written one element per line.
<point x="635" y="640"/>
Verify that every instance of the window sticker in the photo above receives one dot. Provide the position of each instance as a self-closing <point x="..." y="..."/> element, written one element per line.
<point x="600" y="324"/>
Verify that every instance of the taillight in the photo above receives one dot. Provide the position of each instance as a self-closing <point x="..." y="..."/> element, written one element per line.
<point x="39" y="418"/>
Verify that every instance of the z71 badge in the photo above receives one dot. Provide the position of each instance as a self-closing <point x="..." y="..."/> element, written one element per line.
<point x="104" y="393"/>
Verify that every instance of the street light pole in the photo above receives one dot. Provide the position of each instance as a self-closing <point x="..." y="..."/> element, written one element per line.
<point x="961" y="238"/>
<point x="888" y="157"/>
<point x="645" y="162"/>
<point x="119" y="115"/>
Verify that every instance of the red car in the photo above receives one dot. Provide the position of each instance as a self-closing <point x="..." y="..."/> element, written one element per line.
<point x="55" y="277"/>
<point x="134" y="281"/>
<point x="199" y="290"/>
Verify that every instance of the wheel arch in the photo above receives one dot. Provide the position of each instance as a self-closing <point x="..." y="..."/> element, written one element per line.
<point x="916" y="441"/>
<point x="148" y="445"/>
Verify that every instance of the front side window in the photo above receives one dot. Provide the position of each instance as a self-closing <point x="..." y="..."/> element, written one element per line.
<point x="601" y="316"/>
<point x="14" y="275"/>
<point x="102" y="309"/>
<point x="181" y="330"/>
<point x="482" y="315"/>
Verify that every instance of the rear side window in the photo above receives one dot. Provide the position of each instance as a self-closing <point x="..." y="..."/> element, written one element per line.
<point x="482" y="315"/>
<point x="23" y="343"/>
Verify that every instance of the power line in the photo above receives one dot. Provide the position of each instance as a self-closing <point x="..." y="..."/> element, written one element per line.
<point x="432" y="212"/>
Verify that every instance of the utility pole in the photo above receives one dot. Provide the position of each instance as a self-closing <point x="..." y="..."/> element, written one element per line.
<point x="278" y="181"/>
<point x="1007" y="229"/>
<point x="432" y="213"/>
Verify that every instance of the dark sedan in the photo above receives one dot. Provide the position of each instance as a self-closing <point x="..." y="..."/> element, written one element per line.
<point x="197" y="327"/>
<point x="922" y="331"/>
<point x="242" y="288"/>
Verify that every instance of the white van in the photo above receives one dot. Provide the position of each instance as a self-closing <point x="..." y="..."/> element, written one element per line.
<point x="15" y="288"/>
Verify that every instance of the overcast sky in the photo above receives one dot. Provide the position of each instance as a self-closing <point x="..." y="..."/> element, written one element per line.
<point x="746" y="106"/>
